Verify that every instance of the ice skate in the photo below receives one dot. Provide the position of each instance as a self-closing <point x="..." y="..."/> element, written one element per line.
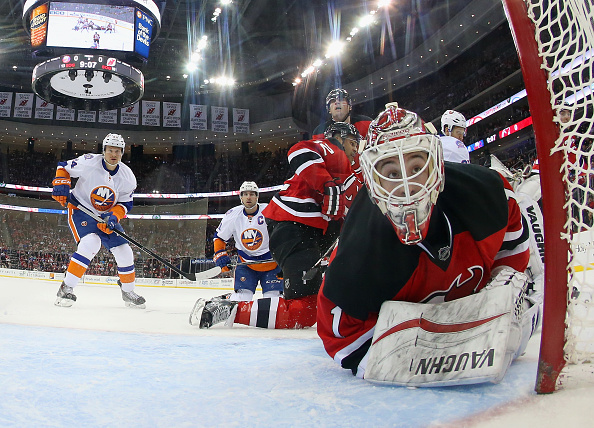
<point x="205" y="314"/>
<point x="65" y="296"/>
<point x="132" y="299"/>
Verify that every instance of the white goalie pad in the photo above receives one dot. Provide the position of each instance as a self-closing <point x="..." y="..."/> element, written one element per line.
<point x="454" y="343"/>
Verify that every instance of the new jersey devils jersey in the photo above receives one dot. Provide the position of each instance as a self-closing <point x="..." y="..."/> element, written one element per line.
<point x="249" y="232"/>
<point x="475" y="227"/>
<point x="97" y="187"/>
<point x="313" y="163"/>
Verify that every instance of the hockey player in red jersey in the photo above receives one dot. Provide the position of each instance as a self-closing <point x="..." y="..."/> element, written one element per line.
<point x="105" y="186"/>
<point x="304" y="220"/>
<point x="340" y="109"/>
<point x="422" y="231"/>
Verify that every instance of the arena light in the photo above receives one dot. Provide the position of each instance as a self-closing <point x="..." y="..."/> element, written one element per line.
<point x="335" y="49"/>
<point x="366" y="20"/>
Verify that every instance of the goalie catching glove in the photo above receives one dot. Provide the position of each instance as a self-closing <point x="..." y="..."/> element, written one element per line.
<point x="334" y="201"/>
<point x="61" y="184"/>
<point x="112" y="219"/>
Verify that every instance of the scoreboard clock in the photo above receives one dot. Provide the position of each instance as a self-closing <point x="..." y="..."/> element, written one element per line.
<point x="88" y="82"/>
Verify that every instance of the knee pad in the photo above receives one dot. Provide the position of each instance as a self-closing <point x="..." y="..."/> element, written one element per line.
<point x="123" y="255"/>
<point x="89" y="245"/>
<point x="242" y="296"/>
<point x="272" y="293"/>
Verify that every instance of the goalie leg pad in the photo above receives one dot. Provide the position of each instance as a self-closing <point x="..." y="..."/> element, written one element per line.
<point x="454" y="343"/>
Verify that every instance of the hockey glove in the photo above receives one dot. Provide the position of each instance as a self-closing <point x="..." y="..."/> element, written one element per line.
<point x="61" y="184"/>
<point x="112" y="219"/>
<point x="334" y="201"/>
<point x="222" y="259"/>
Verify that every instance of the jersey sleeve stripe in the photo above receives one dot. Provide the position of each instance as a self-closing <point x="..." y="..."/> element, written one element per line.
<point x="354" y="346"/>
<point x="303" y="166"/>
<point x="517" y="250"/>
<point x="299" y="209"/>
<point x="517" y="238"/>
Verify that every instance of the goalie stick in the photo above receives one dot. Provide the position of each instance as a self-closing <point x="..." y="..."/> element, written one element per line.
<point x="187" y="275"/>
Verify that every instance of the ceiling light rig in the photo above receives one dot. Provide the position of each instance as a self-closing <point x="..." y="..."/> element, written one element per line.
<point x="196" y="55"/>
<point x="336" y="48"/>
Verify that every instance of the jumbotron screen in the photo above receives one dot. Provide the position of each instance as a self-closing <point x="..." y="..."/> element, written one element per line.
<point x="57" y="27"/>
<point x="91" y="26"/>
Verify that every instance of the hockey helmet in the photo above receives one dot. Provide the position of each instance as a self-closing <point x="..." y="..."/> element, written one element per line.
<point x="402" y="165"/>
<point x="337" y="94"/>
<point x="115" y="140"/>
<point x="249" y="186"/>
<point x="452" y="118"/>
<point x="344" y="129"/>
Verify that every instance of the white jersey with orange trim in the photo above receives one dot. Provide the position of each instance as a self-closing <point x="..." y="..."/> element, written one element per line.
<point x="250" y="234"/>
<point x="98" y="188"/>
<point x="454" y="150"/>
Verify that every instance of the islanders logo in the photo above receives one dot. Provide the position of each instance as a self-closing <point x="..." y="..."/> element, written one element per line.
<point x="251" y="239"/>
<point x="103" y="198"/>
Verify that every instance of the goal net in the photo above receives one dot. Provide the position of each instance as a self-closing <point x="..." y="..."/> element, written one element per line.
<point x="555" y="43"/>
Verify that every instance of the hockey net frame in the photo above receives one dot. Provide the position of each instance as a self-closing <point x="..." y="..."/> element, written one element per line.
<point x="555" y="43"/>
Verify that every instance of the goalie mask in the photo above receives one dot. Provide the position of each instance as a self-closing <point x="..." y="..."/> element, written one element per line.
<point x="402" y="166"/>
<point x="248" y="186"/>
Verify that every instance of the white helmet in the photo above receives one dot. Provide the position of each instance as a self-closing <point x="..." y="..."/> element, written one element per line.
<point x="450" y="119"/>
<point x="115" y="140"/>
<point x="407" y="200"/>
<point x="249" y="186"/>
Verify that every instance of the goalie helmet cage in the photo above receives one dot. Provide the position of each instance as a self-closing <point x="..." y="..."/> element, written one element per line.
<point x="555" y="44"/>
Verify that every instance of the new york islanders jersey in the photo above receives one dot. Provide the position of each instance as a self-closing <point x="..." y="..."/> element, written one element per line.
<point x="313" y="164"/>
<point x="250" y="235"/>
<point x="475" y="227"/>
<point x="98" y="188"/>
<point x="454" y="150"/>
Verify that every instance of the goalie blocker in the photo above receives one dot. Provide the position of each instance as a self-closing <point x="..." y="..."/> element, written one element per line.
<point x="466" y="341"/>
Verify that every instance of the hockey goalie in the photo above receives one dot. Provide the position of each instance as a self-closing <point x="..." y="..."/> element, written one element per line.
<point x="427" y="286"/>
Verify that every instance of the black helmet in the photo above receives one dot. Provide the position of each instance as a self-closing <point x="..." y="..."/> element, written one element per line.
<point x="344" y="129"/>
<point x="339" y="94"/>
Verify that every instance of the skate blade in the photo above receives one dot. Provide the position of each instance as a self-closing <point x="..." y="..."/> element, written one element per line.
<point x="65" y="303"/>
<point x="132" y="305"/>
<point x="196" y="313"/>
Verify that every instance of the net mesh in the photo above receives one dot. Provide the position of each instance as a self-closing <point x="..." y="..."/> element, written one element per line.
<point x="565" y="37"/>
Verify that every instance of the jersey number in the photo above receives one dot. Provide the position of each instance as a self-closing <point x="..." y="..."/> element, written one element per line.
<point x="336" y="314"/>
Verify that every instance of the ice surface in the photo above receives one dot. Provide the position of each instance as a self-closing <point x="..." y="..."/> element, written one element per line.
<point x="99" y="363"/>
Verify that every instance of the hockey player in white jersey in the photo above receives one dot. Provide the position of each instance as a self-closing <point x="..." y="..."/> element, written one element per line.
<point x="105" y="186"/>
<point x="247" y="226"/>
<point x="453" y="127"/>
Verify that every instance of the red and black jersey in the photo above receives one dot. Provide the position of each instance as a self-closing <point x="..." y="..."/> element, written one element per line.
<point x="313" y="164"/>
<point x="475" y="227"/>
<point x="359" y="121"/>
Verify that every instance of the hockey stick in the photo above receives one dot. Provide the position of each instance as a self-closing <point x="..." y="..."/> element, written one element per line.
<point x="211" y="273"/>
<point x="187" y="275"/>
<point x="309" y="275"/>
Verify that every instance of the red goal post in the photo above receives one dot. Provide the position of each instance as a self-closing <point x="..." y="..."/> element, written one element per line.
<point x="555" y="44"/>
